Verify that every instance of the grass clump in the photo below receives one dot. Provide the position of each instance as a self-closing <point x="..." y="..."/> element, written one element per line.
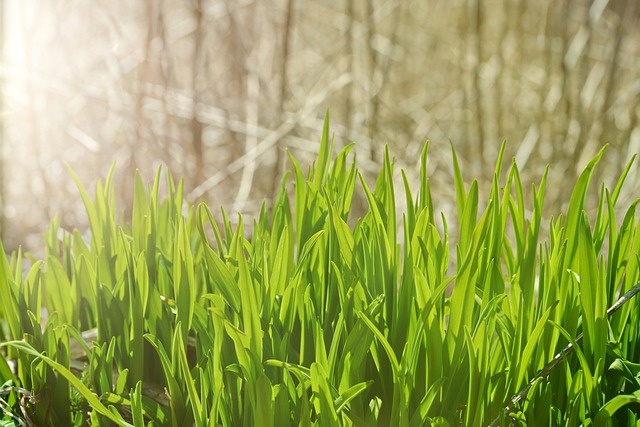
<point x="181" y="321"/>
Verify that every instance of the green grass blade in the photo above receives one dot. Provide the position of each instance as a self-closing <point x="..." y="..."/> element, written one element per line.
<point x="461" y="193"/>
<point x="73" y="380"/>
<point x="604" y="415"/>
<point x="533" y="340"/>
<point x="323" y="401"/>
<point x="324" y="156"/>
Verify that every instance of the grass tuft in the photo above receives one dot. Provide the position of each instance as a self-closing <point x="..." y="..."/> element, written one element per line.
<point x="182" y="321"/>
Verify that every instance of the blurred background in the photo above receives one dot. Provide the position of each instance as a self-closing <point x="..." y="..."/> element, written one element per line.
<point x="219" y="90"/>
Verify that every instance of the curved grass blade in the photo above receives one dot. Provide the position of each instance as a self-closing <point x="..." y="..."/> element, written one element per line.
<point x="95" y="402"/>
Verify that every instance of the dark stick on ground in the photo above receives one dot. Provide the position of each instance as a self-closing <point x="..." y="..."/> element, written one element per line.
<point x="544" y="372"/>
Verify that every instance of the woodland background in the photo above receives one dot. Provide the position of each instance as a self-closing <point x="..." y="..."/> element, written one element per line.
<point x="220" y="90"/>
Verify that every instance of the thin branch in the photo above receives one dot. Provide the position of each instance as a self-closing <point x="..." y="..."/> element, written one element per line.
<point x="546" y="371"/>
<point x="270" y="140"/>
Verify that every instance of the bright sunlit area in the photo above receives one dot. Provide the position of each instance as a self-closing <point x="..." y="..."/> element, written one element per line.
<point x="219" y="91"/>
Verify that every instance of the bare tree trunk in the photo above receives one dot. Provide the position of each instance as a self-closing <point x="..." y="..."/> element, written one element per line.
<point x="380" y="66"/>
<point x="497" y="99"/>
<point x="462" y="70"/>
<point x="581" y="108"/>
<point x="566" y="78"/>
<point x="167" y="72"/>
<point x="543" y="119"/>
<point x="3" y="199"/>
<point x="349" y="54"/>
<point x="476" y="11"/>
<point x="286" y="37"/>
<point x="630" y="11"/>
<point x="284" y="63"/>
<point x="615" y="54"/>
<point x="372" y="118"/>
<point x="235" y="53"/>
<point x="196" y="124"/>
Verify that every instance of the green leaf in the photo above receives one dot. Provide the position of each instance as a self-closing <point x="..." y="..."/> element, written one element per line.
<point x="348" y="395"/>
<point x="461" y="194"/>
<point x="604" y="415"/>
<point x="468" y="219"/>
<point x="93" y="400"/>
<point x="395" y="366"/>
<point x="8" y="294"/>
<point x="222" y="279"/>
<point x="137" y="412"/>
<point x="419" y="418"/>
<point x="323" y="401"/>
<point x="324" y="156"/>
<point x="576" y="203"/>
<point x="196" y="405"/>
<point x="264" y="406"/>
<point x="178" y="404"/>
<point x="532" y="342"/>
<point x="63" y="300"/>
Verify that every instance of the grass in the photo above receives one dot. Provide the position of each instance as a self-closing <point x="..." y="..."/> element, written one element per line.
<point x="184" y="321"/>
